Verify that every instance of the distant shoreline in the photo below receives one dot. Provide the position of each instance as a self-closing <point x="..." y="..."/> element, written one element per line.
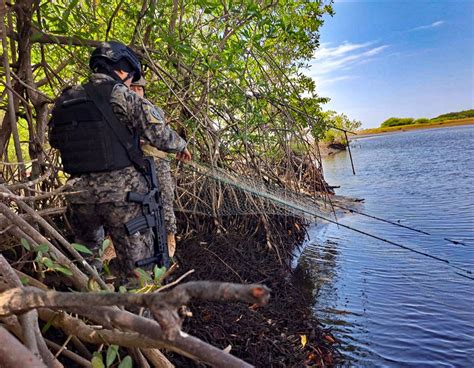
<point x="389" y="130"/>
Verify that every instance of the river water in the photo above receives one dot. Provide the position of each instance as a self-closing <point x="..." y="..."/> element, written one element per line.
<point x="391" y="307"/>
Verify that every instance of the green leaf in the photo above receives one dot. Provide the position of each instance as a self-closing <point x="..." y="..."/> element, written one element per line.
<point x="122" y="289"/>
<point x="48" y="262"/>
<point x="43" y="248"/>
<point x="25" y="244"/>
<point x="104" y="246"/>
<point x="81" y="248"/>
<point x="97" y="361"/>
<point x="126" y="362"/>
<point x="63" y="269"/>
<point x="105" y="243"/>
<point x="144" y="276"/>
<point x="48" y="324"/>
<point x="158" y="272"/>
<point x="111" y="355"/>
<point x="106" y="267"/>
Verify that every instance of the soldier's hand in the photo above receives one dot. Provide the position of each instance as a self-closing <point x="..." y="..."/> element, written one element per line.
<point x="184" y="156"/>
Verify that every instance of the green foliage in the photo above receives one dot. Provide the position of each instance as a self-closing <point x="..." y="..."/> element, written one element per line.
<point x="97" y="360"/>
<point x="237" y="65"/>
<point x="25" y="244"/>
<point x="455" y="115"/>
<point x="24" y="137"/>
<point x="445" y="117"/>
<point x="126" y="362"/>
<point x="158" y="273"/>
<point x="44" y="260"/>
<point x="143" y="276"/>
<point x="112" y="353"/>
<point x="111" y="356"/>
<point x="81" y="248"/>
<point x="397" y="122"/>
<point x="422" y="121"/>
<point x="334" y="120"/>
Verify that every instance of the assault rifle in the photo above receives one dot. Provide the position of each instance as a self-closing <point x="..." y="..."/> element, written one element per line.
<point x="152" y="218"/>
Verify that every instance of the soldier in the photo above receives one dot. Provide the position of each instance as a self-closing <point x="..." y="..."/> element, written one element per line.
<point x="97" y="128"/>
<point x="163" y="172"/>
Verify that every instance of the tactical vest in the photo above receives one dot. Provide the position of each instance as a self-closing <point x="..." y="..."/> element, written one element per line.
<point x="85" y="138"/>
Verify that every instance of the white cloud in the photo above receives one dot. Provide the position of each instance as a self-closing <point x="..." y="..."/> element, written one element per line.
<point x="429" y="26"/>
<point x="327" y="81"/>
<point x="332" y="64"/>
<point x="328" y="52"/>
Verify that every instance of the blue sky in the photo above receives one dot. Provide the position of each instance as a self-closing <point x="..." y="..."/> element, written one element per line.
<point x="387" y="58"/>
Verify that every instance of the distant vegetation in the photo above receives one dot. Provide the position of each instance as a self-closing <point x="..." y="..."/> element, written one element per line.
<point x="455" y="115"/>
<point x="397" y="122"/>
<point x="410" y="121"/>
<point x="334" y="120"/>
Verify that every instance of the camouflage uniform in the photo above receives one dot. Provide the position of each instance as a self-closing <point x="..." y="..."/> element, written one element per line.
<point x="102" y="201"/>
<point x="167" y="186"/>
<point x="163" y="170"/>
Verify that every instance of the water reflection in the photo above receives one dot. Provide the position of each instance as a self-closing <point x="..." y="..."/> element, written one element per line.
<point x="391" y="307"/>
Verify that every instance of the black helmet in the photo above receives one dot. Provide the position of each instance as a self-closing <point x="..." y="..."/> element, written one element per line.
<point x="113" y="52"/>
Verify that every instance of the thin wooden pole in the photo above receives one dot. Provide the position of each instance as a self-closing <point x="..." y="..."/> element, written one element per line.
<point x="350" y="154"/>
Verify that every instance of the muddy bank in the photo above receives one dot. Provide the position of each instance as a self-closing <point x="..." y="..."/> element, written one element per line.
<point x="272" y="336"/>
<point x="328" y="149"/>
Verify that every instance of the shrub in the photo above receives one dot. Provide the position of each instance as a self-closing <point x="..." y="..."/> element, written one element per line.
<point x="422" y="121"/>
<point x="397" y="122"/>
<point x="455" y="115"/>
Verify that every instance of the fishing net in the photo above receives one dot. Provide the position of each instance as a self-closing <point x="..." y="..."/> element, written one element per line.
<point x="215" y="192"/>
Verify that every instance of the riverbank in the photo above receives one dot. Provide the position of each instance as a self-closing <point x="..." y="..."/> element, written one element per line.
<point x="328" y="149"/>
<point x="444" y="124"/>
<point x="284" y="333"/>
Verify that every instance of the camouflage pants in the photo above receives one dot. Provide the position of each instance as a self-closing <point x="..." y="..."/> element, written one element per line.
<point x="163" y="172"/>
<point x="91" y="221"/>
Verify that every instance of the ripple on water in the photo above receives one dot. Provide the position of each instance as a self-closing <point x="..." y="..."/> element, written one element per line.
<point x="391" y="307"/>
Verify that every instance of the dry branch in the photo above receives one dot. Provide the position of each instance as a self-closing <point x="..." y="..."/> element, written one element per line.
<point x="13" y="354"/>
<point x="21" y="300"/>
<point x="55" y="234"/>
<point x="78" y="278"/>
<point x="156" y="358"/>
<point x="69" y="354"/>
<point x="183" y="344"/>
<point x="29" y="321"/>
<point x="144" y="332"/>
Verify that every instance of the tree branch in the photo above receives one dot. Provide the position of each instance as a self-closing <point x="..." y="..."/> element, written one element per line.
<point x="164" y="307"/>
<point x="14" y="354"/>
<point x="29" y="321"/>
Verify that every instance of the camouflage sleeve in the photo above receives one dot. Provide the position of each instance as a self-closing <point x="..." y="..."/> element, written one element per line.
<point x="149" y="122"/>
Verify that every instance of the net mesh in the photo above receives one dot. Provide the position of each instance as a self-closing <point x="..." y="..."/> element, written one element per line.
<point x="215" y="192"/>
